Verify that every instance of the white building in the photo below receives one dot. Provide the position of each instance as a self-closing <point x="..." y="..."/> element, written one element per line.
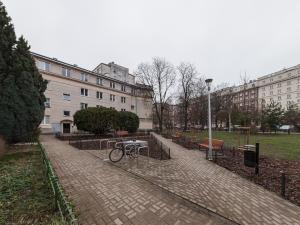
<point x="282" y="86"/>
<point x="71" y="88"/>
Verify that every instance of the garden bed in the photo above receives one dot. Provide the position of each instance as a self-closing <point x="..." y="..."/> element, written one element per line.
<point x="269" y="174"/>
<point x="25" y="194"/>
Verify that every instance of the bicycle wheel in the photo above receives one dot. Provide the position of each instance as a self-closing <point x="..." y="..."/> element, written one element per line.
<point x="116" y="155"/>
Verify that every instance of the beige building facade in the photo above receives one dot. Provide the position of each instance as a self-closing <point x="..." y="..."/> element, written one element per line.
<point x="282" y="87"/>
<point x="71" y="88"/>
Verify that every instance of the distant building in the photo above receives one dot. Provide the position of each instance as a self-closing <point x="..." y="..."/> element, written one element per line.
<point x="282" y="86"/>
<point x="71" y="88"/>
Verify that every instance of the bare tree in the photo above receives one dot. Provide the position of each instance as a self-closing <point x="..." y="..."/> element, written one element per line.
<point x="160" y="75"/>
<point x="187" y="79"/>
<point x="199" y="103"/>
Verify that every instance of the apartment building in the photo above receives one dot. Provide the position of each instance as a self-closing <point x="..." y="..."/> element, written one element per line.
<point x="71" y="88"/>
<point x="244" y="97"/>
<point x="282" y="86"/>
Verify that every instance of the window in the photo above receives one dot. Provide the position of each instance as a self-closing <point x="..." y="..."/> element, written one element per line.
<point x="99" y="81"/>
<point x="66" y="113"/>
<point x="123" y="110"/>
<point x="298" y="71"/>
<point x="83" y="105"/>
<point x="289" y="74"/>
<point x="298" y="100"/>
<point x="279" y="98"/>
<point x="288" y="96"/>
<point x="288" y="82"/>
<point x="133" y="91"/>
<point x="279" y="85"/>
<point x="263" y="94"/>
<point x="271" y="92"/>
<point x="66" y="72"/>
<point x="288" y="89"/>
<point x="112" y="84"/>
<point x="132" y="107"/>
<point x="43" y="65"/>
<point x="279" y="91"/>
<point x="271" y="86"/>
<point x="263" y="88"/>
<point x="123" y="99"/>
<point x="99" y="95"/>
<point x="123" y="88"/>
<point x="84" y="92"/>
<point x="112" y="98"/>
<point x="84" y="77"/>
<point x="67" y="96"/>
<point x="46" y="119"/>
<point x="47" y="103"/>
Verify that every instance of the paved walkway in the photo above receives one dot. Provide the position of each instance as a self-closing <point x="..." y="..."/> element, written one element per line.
<point x="105" y="194"/>
<point x="192" y="177"/>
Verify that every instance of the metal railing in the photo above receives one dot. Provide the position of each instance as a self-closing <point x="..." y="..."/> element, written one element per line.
<point x="61" y="201"/>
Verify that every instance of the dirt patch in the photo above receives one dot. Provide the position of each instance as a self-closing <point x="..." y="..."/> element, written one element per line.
<point x="269" y="173"/>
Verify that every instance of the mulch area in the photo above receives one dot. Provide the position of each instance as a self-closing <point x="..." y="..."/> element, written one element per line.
<point x="269" y="174"/>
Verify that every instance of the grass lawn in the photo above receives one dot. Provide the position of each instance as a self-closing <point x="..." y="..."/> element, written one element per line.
<point x="25" y="194"/>
<point x="280" y="146"/>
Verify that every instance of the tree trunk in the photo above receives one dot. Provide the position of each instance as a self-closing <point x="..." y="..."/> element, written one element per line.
<point x="229" y="121"/>
<point x="2" y="147"/>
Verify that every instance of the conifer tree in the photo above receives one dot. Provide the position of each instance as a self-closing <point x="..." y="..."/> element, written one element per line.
<point x="7" y="42"/>
<point x="21" y="86"/>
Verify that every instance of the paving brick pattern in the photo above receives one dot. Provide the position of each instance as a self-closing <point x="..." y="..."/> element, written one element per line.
<point x="105" y="194"/>
<point x="192" y="177"/>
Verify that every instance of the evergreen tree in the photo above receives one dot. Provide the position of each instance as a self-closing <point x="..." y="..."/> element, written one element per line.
<point x="272" y="116"/>
<point x="21" y="86"/>
<point x="7" y="42"/>
<point x="292" y="116"/>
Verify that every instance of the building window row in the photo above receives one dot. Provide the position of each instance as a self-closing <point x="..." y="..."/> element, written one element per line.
<point x="66" y="72"/>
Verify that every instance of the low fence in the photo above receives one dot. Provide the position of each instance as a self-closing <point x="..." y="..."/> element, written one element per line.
<point x="164" y="150"/>
<point x="84" y="136"/>
<point x="157" y="150"/>
<point x="61" y="201"/>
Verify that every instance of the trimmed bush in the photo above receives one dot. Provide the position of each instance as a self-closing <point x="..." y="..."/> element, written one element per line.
<point x="96" y="120"/>
<point x="128" y="121"/>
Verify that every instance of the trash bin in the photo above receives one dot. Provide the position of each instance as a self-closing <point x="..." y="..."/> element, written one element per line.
<point x="249" y="156"/>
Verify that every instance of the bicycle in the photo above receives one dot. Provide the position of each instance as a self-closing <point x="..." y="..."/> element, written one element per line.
<point x="118" y="152"/>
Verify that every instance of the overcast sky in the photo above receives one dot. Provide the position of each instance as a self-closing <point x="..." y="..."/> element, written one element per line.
<point x="222" y="38"/>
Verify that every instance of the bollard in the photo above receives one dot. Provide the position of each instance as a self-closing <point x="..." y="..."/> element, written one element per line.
<point x="282" y="183"/>
<point x="169" y="154"/>
<point x="257" y="158"/>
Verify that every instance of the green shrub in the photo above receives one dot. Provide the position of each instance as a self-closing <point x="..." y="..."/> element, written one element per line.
<point x="101" y="120"/>
<point x="96" y="120"/>
<point x="128" y="121"/>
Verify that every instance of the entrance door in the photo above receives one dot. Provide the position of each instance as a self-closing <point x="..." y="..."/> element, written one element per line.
<point x="66" y="128"/>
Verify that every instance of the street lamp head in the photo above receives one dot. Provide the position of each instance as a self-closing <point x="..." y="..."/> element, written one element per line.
<point x="208" y="81"/>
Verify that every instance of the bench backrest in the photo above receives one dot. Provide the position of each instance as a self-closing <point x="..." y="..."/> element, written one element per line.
<point x="121" y="133"/>
<point x="215" y="142"/>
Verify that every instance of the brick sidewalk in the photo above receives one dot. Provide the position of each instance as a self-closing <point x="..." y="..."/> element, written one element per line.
<point x="105" y="194"/>
<point x="192" y="177"/>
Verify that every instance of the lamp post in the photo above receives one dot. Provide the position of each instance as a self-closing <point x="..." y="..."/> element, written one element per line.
<point x="208" y="83"/>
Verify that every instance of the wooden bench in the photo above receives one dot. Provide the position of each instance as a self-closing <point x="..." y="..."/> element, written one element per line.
<point x="217" y="146"/>
<point x="122" y="133"/>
